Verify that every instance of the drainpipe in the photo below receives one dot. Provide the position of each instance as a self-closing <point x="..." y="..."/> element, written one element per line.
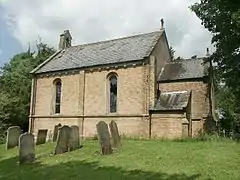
<point x="150" y="125"/>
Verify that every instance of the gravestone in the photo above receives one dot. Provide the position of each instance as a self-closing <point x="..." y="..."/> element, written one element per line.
<point x="13" y="134"/>
<point x="55" y="132"/>
<point x="74" y="138"/>
<point x="50" y="136"/>
<point x="104" y="138"/>
<point x="63" y="140"/>
<point x="41" y="136"/>
<point x="26" y="148"/>
<point x="116" y="140"/>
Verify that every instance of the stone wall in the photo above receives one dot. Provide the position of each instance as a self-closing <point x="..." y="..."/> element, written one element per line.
<point x="167" y="125"/>
<point x="200" y="100"/>
<point x="85" y="100"/>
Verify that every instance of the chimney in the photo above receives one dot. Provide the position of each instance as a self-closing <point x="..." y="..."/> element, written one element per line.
<point x="65" y="40"/>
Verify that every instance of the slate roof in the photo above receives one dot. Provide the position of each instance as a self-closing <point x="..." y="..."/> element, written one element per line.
<point x="172" y="100"/>
<point x="184" y="69"/>
<point x="125" y="49"/>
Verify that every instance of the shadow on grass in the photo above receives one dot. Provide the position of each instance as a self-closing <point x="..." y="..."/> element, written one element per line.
<point x="9" y="169"/>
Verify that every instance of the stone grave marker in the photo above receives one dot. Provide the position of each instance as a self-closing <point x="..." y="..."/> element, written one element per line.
<point x="116" y="139"/>
<point x="49" y="136"/>
<point x="26" y="148"/>
<point x="41" y="136"/>
<point x="104" y="138"/>
<point x="13" y="134"/>
<point x="55" y="132"/>
<point x="63" y="140"/>
<point x="74" y="141"/>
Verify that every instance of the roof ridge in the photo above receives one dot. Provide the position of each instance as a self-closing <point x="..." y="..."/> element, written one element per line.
<point x="115" y="39"/>
<point x="184" y="60"/>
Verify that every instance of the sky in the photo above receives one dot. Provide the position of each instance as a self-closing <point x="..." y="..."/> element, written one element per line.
<point x="23" y="22"/>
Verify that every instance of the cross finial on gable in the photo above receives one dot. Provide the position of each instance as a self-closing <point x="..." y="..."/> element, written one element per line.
<point x="162" y="24"/>
<point x="208" y="54"/>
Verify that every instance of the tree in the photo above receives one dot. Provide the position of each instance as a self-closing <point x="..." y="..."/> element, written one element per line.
<point x="222" y="19"/>
<point x="15" y="85"/>
<point x="172" y="53"/>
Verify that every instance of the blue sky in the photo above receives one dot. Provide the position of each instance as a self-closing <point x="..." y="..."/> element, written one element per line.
<point x="8" y="44"/>
<point x="23" y="22"/>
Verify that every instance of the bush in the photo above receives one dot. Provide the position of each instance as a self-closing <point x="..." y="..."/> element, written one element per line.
<point x="3" y="132"/>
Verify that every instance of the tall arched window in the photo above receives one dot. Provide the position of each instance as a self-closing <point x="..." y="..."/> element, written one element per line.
<point x="58" y="90"/>
<point x="113" y="93"/>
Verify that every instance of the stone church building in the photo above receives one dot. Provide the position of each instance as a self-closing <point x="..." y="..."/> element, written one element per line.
<point x="131" y="80"/>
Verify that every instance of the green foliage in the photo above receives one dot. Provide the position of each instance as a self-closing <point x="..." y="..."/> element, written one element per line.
<point x="222" y="19"/>
<point x="172" y="53"/>
<point x="3" y="132"/>
<point x="15" y="85"/>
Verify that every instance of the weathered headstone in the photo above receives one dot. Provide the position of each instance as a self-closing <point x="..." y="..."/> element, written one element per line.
<point x="56" y="131"/>
<point x="116" y="139"/>
<point x="26" y="148"/>
<point x="13" y="134"/>
<point x="104" y="138"/>
<point x="50" y="136"/>
<point x="41" y="136"/>
<point x="63" y="140"/>
<point x="74" y="138"/>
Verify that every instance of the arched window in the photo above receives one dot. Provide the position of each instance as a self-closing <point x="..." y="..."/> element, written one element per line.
<point x="113" y="93"/>
<point x="58" y="90"/>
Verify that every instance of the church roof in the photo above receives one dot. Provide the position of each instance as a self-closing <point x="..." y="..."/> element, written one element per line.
<point x="172" y="101"/>
<point x="184" y="69"/>
<point x="132" y="48"/>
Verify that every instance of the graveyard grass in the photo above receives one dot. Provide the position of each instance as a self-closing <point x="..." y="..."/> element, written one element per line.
<point x="136" y="160"/>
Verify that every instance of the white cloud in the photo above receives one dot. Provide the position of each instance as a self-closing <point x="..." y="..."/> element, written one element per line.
<point x="94" y="20"/>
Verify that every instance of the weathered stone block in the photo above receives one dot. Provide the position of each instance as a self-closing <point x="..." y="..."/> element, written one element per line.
<point x="63" y="140"/>
<point x="41" y="136"/>
<point x="104" y="138"/>
<point x="116" y="139"/>
<point x="26" y="148"/>
<point x="56" y="131"/>
<point x="13" y="134"/>
<point x="74" y="141"/>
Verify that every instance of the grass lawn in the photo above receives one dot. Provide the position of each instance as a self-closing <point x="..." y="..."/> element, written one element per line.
<point x="137" y="160"/>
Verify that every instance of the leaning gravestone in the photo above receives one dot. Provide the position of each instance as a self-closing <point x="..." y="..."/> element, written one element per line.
<point x="74" y="138"/>
<point x="41" y="136"/>
<point x="104" y="138"/>
<point x="55" y="132"/>
<point x="13" y="134"/>
<point x="26" y="148"/>
<point x="63" y="140"/>
<point x="116" y="140"/>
